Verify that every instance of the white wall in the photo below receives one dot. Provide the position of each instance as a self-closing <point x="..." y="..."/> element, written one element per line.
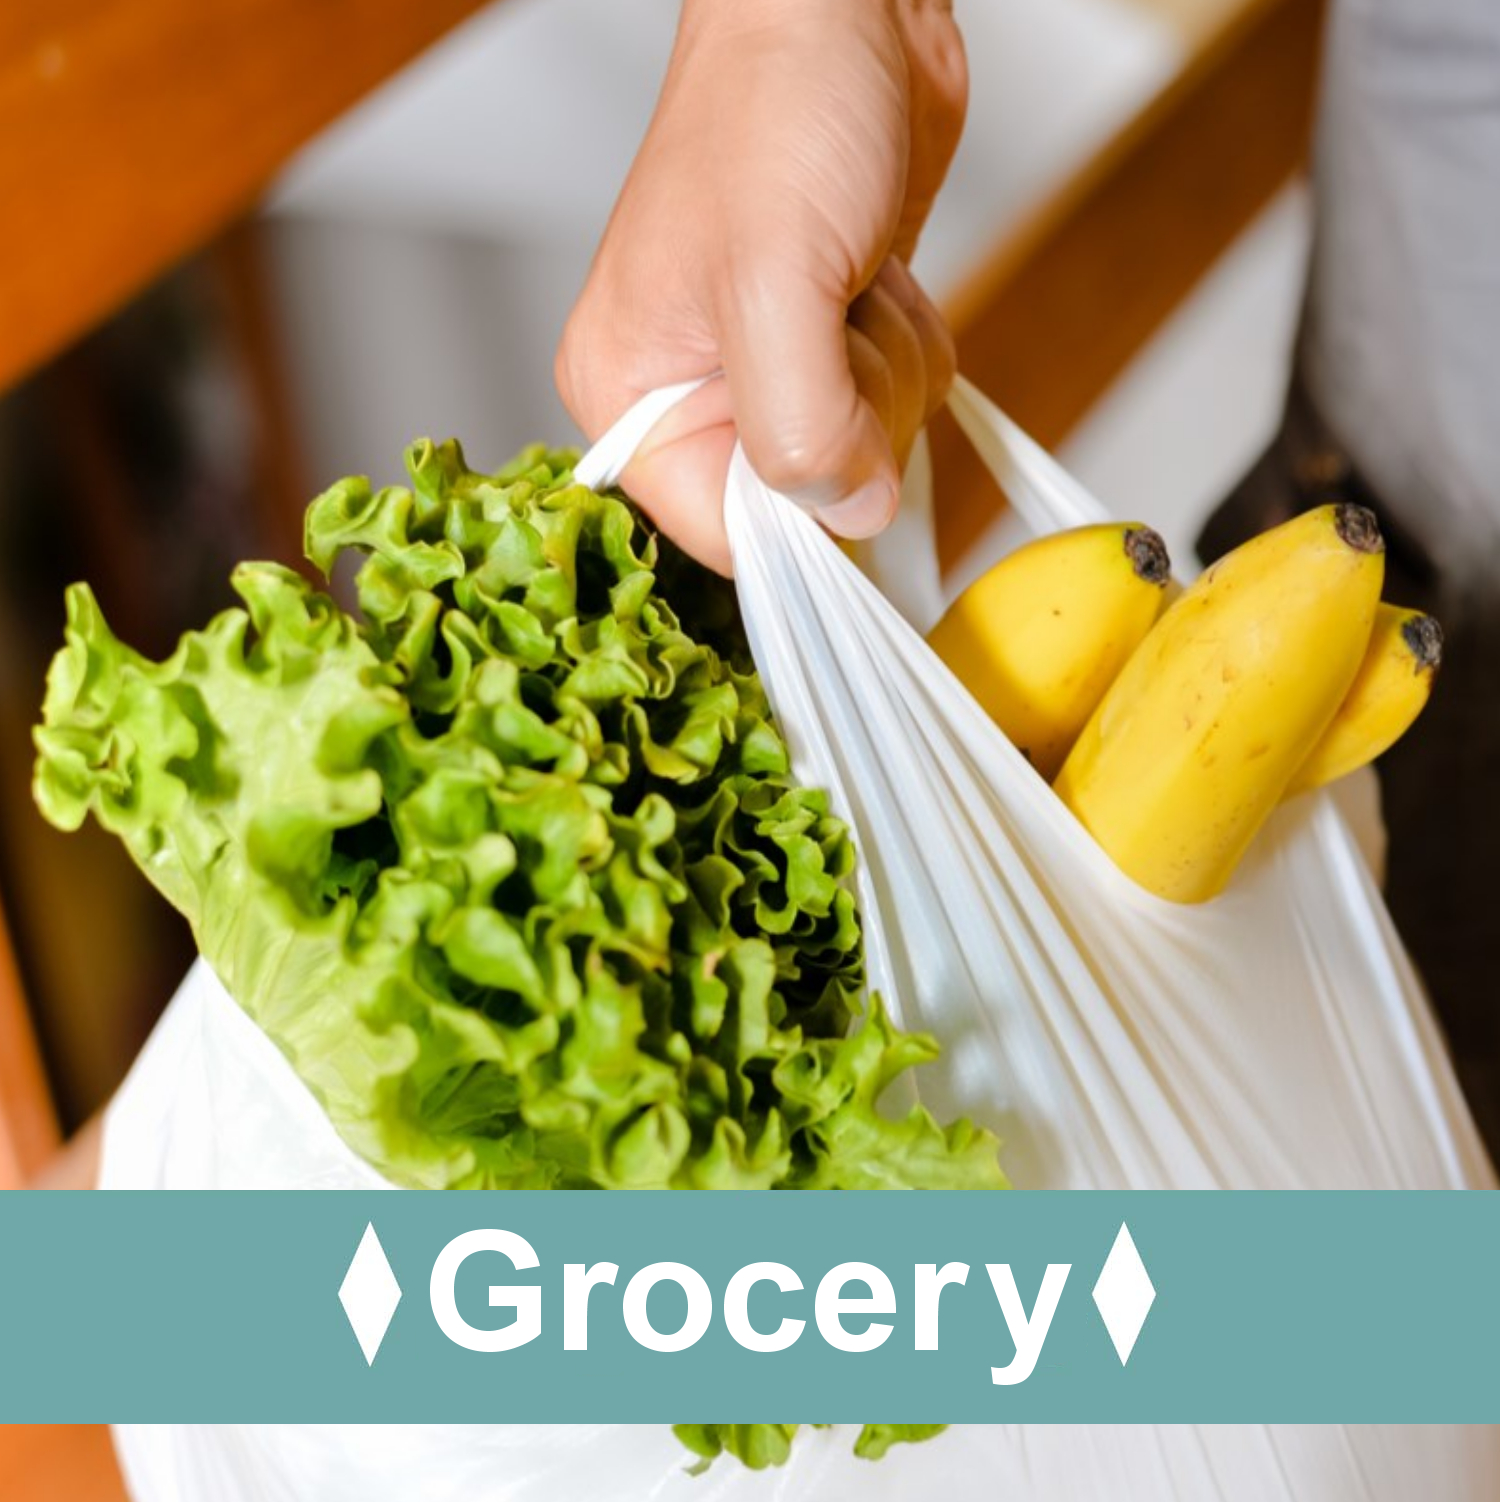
<point x="425" y="251"/>
<point x="392" y="333"/>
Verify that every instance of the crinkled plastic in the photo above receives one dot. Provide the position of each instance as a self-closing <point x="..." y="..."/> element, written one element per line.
<point x="1274" y="1038"/>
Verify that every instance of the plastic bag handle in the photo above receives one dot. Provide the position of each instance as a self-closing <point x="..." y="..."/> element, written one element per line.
<point x="608" y="459"/>
<point x="1044" y="494"/>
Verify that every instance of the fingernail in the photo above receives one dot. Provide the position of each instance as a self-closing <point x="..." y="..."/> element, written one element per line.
<point x="863" y="513"/>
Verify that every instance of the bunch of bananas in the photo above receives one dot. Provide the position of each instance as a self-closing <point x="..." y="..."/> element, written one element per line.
<point x="1173" y="727"/>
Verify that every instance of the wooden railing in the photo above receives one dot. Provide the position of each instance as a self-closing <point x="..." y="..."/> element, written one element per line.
<point x="28" y="1124"/>
<point x="1053" y="314"/>
<point x="133" y="131"/>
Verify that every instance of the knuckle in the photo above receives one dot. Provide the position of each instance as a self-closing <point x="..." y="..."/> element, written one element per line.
<point x="942" y="365"/>
<point x="874" y="378"/>
<point x="562" y="378"/>
<point x="878" y="387"/>
<point x="892" y="331"/>
<point x="566" y="366"/>
<point x="798" y="458"/>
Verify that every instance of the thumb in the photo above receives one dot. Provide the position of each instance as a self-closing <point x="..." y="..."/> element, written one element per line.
<point x="806" y="393"/>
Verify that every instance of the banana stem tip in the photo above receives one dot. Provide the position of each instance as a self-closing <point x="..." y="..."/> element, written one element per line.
<point x="1424" y="637"/>
<point x="1358" y="528"/>
<point x="1148" y="555"/>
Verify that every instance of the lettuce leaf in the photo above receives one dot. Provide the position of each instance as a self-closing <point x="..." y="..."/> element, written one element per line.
<point x="511" y="866"/>
<point x="757" y="1446"/>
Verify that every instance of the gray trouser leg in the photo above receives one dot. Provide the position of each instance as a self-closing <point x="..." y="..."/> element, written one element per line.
<point x="1400" y="347"/>
<point x="1396" y="402"/>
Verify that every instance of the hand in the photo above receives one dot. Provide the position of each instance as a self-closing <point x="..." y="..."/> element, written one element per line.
<point x="763" y="230"/>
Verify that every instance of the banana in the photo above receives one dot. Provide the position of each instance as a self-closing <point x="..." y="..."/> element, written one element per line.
<point x="1388" y="693"/>
<point x="1206" y="725"/>
<point x="1041" y="636"/>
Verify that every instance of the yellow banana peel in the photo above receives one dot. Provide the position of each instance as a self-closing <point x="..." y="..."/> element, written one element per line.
<point x="1040" y="637"/>
<point x="1204" y="728"/>
<point x="1390" y="690"/>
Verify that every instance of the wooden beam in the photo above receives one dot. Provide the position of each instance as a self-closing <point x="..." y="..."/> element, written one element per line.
<point x="75" y="1165"/>
<point x="1049" y="321"/>
<point x="49" y="1462"/>
<point x="28" y="1124"/>
<point x="132" y="131"/>
<point x="1191" y="19"/>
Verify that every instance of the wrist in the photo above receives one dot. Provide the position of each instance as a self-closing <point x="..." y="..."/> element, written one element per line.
<point x="730" y="16"/>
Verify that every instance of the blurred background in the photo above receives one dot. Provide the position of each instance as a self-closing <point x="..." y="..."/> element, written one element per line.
<point x="253" y="247"/>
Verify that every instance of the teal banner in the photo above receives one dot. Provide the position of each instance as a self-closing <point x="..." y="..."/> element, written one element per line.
<point x="749" y="1307"/>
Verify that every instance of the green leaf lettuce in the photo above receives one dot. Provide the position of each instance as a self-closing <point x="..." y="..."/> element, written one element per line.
<point x="511" y="866"/>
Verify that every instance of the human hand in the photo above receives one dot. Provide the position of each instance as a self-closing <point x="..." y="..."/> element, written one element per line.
<point x="763" y="230"/>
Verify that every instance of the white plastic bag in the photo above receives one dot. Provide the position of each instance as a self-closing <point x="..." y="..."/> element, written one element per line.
<point x="1275" y="1038"/>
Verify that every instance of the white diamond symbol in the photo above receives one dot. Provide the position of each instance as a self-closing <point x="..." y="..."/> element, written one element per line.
<point x="1124" y="1294"/>
<point x="369" y="1294"/>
